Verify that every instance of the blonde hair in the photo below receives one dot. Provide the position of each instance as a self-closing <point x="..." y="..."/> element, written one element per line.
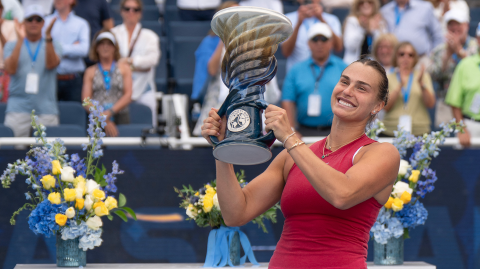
<point x="93" y="54"/>
<point x="354" y="10"/>
<point x="401" y="45"/>
<point x="384" y="37"/>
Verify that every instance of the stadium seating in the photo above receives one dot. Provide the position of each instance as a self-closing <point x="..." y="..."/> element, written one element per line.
<point x="187" y="28"/>
<point x="5" y="131"/>
<point x="183" y="60"/>
<point x="140" y="119"/>
<point x="161" y="73"/>
<point x="341" y="13"/>
<point x="3" y="107"/>
<point x="155" y="26"/>
<point x="66" y="130"/>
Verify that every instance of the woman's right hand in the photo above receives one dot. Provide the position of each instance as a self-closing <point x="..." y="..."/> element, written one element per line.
<point x="214" y="126"/>
<point x="111" y="129"/>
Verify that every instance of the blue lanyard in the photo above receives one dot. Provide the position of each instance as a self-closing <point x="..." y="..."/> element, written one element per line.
<point x="107" y="78"/>
<point x="369" y="41"/>
<point x="455" y="56"/>
<point x="406" y="91"/>
<point x="398" y="15"/>
<point x="317" y="80"/>
<point x="32" y="56"/>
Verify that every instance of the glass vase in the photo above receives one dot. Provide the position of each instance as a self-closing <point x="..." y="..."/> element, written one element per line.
<point x="234" y="249"/>
<point x="390" y="253"/>
<point x="69" y="254"/>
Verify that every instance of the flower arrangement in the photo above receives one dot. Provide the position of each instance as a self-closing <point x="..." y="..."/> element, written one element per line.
<point x="69" y="195"/>
<point x="403" y="210"/>
<point x="202" y="205"/>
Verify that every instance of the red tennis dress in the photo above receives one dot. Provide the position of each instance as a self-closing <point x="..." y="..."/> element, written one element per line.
<point x="315" y="233"/>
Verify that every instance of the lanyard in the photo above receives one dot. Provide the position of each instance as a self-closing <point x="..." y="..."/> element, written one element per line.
<point x="318" y="77"/>
<point x="455" y="56"/>
<point x="33" y="56"/>
<point x="107" y="78"/>
<point x="398" y="15"/>
<point x="406" y="91"/>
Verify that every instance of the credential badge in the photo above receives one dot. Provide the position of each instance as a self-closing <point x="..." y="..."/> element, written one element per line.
<point x="238" y="120"/>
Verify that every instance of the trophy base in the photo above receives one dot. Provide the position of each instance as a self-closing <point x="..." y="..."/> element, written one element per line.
<point x="242" y="153"/>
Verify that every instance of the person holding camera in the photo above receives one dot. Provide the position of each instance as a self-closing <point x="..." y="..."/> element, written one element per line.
<point x="309" y="13"/>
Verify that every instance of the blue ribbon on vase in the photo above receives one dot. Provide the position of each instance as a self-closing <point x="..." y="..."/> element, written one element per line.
<point x="218" y="252"/>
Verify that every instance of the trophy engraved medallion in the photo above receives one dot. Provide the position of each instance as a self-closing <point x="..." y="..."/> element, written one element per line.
<point x="251" y="36"/>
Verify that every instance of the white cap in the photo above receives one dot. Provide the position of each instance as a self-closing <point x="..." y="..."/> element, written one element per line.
<point x="319" y="28"/>
<point x="106" y="35"/>
<point x="455" y="15"/>
<point x="34" y="10"/>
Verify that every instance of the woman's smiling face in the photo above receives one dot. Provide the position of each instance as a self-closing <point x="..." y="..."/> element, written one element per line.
<point x="355" y="96"/>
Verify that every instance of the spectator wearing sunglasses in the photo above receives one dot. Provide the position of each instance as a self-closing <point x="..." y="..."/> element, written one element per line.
<point x="310" y="12"/>
<point x="410" y="94"/>
<point x="413" y="21"/>
<point x="445" y="58"/>
<point x="464" y="95"/>
<point x="73" y="33"/>
<point x="31" y="62"/>
<point x="109" y="81"/>
<point x="362" y="27"/>
<point x="139" y="49"/>
<point x="308" y="87"/>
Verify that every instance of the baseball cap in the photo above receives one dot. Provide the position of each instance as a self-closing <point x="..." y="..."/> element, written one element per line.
<point x="106" y="35"/>
<point x="319" y="28"/>
<point x="34" y="10"/>
<point x="455" y="15"/>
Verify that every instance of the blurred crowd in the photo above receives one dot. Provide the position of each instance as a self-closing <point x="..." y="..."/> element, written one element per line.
<point x="69" y="50"/>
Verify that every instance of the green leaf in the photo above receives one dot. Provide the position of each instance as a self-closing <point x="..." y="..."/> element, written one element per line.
<point x="130" y="211"/>
<point x="110" y="217"/>
<point x="99" y="173"/>
<point x="121" y="215"/>
<point x="406" y="234"/>
<point x="122" y="200"/>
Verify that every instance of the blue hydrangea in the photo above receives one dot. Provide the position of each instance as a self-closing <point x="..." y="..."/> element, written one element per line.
<point x="42" y="218"/>
<point x="91" y="239"/>
<point x="74" y="230"/>
<point x="386" y="227"/>
<point x="412" y="215"/>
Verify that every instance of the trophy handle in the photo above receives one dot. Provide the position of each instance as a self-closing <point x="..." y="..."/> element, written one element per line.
<point x="269" y="138"/>
<point x="222" y="111"/>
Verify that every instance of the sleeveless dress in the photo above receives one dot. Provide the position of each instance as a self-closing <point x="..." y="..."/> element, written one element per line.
<point x="315" y="233"/>
<point x="108" y="98"/>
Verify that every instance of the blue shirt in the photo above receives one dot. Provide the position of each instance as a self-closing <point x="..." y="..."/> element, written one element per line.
<point x="74" y="36"/>
<point x="94" y="12"/>
<point x="300" y="83"/>
<point x="202" y="55"/>
<point x="416" y="24"/>
<point x="301" y="51"/>
<point x="45" y="101"/>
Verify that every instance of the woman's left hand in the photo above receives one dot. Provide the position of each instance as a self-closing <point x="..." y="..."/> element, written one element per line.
<point x="111" y="129"/>
<point x="277" y="121"/>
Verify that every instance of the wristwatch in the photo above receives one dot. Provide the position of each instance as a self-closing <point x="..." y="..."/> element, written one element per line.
<point x="48" y="39"/>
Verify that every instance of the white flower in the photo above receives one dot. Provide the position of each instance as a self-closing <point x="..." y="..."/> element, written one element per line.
<point x="402" y="170"/>
<point x="70" y="212"/>
<point x="191" y="212"/>
<point x="67" y="174"/>
<point x="88" y="202"/>
<point x="94" y="222"/>
<point x="78" y="193"/>
<point x="215" y="202"/>
<point x="399" y="188"/>
<point x="91" y="185"/>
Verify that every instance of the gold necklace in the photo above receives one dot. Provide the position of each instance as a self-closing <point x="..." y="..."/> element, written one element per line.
<point x="324" y="146"/>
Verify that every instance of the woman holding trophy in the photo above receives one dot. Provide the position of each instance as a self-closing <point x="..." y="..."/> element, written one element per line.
<point x="330" y="191"/>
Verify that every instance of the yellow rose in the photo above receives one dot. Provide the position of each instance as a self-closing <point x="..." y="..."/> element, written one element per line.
<point x="111" y="203"/>
<point x="56" y="167"/>
<point x="208" y="202"/>
<point x="406" y="197"/>
<point x="414" y="176"/>
<point x="100" y="209"/>
<point x="69" y="194"/>
<point x="98" y="195"/>
<point x="210" y="190"/>
<point x="61" y="219"/>
<point x="397" y="204"/>
<point x="79" y="179"/>
<point x="197" y="193"/>
<point x="54" y="198"/>
<point x="79" y="204"/>
<point x="389" y="203"/>
<point x="48" y="182"/>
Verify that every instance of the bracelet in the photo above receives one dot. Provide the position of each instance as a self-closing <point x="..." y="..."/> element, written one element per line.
<point x="295" y="145"/>
<point x="285" y="141"/>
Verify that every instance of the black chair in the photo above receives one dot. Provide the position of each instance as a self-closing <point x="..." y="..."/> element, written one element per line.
<point x="183" y="49"/>
<point x="161" y="72"/>
<point x="188" y="28"/>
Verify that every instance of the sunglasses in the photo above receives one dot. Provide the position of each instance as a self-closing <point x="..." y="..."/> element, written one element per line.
<point x="365" y="2"/>
<point x="134" y="9"/>
<point x="319" y="38"/>
<point x="35" y="18"/>
<point x="401" y="54"/>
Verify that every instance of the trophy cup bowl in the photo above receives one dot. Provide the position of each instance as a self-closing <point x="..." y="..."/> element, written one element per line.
<point x="251" y="36"/>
